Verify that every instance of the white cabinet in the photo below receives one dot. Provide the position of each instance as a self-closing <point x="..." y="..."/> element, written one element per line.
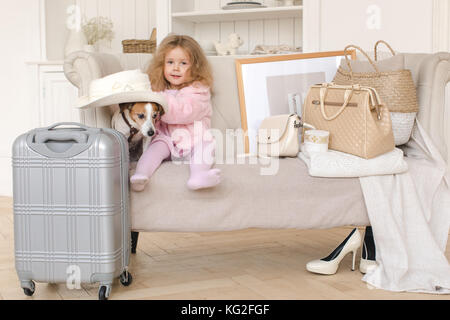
<point x="58" y="97"/>
<point x="206" y="21"/>
<point x="331" y="25"/>
<point x="55" y="96"/>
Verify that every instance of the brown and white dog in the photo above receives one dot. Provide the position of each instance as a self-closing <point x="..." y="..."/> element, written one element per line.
<point x="136" y="120"/>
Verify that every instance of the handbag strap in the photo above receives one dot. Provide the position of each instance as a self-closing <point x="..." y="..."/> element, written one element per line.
<point x="364" y="53"/>
<point x="386" y="44"/>
<point x="323" y="93"/>
<point x="375" y="100"/>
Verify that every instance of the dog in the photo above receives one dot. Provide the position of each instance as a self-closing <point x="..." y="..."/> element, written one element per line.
<point x="229" y="48"/>
<point x="136" y="120"/>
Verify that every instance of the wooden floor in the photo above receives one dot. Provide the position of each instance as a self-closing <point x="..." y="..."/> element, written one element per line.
<point x="250" y="264"/>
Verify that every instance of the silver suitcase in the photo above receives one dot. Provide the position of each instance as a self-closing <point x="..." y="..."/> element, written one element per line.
<point x="71" y="222"/>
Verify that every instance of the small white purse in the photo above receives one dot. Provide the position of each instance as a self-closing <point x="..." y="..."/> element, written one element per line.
<point x="278" y="136"/>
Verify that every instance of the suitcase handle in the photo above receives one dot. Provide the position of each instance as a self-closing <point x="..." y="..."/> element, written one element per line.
<point x="73" y="124"/>
<point x="44" y="137"/>
<point x="42" y="140"/>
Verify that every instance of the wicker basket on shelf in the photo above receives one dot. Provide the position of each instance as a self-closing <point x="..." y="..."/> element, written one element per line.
<point x="140" y="46"/>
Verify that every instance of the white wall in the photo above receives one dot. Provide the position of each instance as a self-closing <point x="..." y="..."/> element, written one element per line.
<point x="406" y="24"/>
<point x="19" y="32"/>
<point x="56" y="31"/>
<point x="441" y="25"/>
<point x="411" y="29"/>
<point x="133" y="19"/>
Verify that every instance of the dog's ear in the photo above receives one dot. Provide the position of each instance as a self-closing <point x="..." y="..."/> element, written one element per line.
<point x="161" y="110"/>
<point x="125" y="106"/>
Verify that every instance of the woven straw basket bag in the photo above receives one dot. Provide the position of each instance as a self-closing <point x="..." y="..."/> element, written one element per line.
<point x="140" y="46"/>
<point x="396" y="89"/>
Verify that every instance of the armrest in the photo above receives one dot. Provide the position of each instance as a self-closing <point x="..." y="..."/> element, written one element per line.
<point x="80" y="68"/>
<point x="434" y="100"/>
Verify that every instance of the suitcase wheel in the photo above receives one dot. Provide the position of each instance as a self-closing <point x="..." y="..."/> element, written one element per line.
<point x="30" y="291"/>
<point x="126" y="278"/>
<point x="103" y="292"/>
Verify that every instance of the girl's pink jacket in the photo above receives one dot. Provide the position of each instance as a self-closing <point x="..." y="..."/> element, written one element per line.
<point x="189" y="108"/>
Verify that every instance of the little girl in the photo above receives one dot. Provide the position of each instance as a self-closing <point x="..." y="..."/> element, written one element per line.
<point x="180" y="70"/>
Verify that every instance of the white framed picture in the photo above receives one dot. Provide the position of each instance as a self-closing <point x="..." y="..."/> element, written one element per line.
<point x="274" y="85"/>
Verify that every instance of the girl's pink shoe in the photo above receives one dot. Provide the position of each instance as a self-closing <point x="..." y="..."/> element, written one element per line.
<point x="138" y="182"/>
<point x="204" y="179"/>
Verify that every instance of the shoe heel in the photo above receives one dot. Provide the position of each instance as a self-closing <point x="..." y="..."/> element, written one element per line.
<point x="330" y="264"/>
<point x="354" y="260"/>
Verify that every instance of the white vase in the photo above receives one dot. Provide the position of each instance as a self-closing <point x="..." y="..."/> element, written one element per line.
<point x="89" y="48"/>
<point x="75" y="42"/>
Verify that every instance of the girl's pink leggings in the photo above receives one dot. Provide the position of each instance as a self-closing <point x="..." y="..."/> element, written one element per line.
<point x="201" y="162"/>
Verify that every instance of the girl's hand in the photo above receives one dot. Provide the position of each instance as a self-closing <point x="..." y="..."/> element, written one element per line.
<point x="190" y="104"/>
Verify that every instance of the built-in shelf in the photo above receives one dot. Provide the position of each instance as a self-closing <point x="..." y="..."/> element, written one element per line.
<point x="46" y="63"/>
<point x="241" y="14"/>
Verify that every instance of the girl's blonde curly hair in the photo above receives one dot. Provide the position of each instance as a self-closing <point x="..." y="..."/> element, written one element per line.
<point x="200" y="70"/>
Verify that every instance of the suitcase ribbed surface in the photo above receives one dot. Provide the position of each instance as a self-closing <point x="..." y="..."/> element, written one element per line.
<point x="71" y="212"/>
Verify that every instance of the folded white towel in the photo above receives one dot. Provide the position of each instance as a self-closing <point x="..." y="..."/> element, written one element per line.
<point x="334" y="164"/>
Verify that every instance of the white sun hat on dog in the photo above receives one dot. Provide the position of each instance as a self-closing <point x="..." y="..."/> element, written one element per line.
<point x="121" y="87"/>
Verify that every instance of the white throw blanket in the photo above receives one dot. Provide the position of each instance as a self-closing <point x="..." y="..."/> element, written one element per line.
<point x="409" y="212"/>
<point x="410" y="218"/>
<point x="334" y="164"/>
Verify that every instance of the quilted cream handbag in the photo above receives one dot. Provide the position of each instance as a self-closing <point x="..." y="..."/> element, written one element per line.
<point x="278" y="136"/>
<point x="358" y="122"/>
<point x="396" y="88"/>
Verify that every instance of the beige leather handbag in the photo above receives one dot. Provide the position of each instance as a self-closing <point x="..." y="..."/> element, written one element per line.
<point x="357" y="120"/>
<point x="278" y="136"/>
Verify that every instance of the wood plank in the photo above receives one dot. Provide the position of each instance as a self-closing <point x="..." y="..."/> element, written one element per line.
<point x="242" y="28"/>
<point x="237" y="14"/>
<point x="226" y="28"/>
<point x="206" y="34"/>
<point x="117" y="16"/>
<point x="286" y="32"/>
<point x="89" y="9"/>
<point x="142" y="19"/>
<point x="298" y="32"/>
<point x="129" y="20"/>
<point x="271" y="32"/>
<point x="151" y="16"/>
<point x="173" y="289"/>
<point x="246" y="264"/>
<point x="255" y="34"/>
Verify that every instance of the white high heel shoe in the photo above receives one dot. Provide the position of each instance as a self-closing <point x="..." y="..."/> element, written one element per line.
<point x="367" y="265"/>
<point x="368" y="261"/>
<point x="330" y="264"/>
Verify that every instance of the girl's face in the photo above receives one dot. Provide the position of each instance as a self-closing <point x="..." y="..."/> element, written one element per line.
<point x="177" y="67"/>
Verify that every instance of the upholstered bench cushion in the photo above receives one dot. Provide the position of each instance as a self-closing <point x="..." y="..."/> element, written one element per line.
<point x="247" y="199"/>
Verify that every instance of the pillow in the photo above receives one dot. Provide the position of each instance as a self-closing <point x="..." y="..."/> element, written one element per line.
<point x="394" y="63"/>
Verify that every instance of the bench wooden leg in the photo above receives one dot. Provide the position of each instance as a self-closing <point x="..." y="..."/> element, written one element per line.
<point x="134" y="241"/>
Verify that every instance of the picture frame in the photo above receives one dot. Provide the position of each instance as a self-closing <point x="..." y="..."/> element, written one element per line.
<point x="272" y="85"/>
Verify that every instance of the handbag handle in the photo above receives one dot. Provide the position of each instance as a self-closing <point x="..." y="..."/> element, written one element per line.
<point x="323" y="94"/>
<point x="386" y="44"/>
<point x="364" y="53"/>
